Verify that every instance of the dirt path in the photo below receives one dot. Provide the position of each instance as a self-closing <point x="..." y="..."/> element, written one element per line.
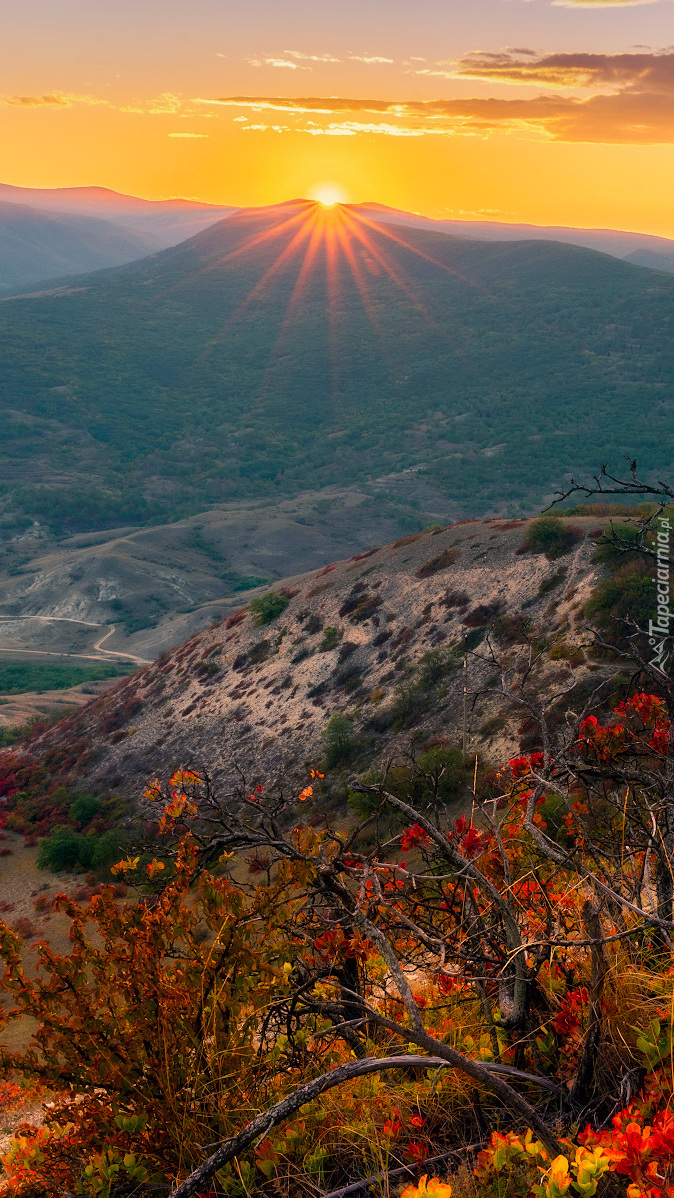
<point x="142" y="661"/>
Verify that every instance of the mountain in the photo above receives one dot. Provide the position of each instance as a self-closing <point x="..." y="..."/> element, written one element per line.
<point x="36" y="245"/>
<point x="292" y="348"/>
<point x="376" y="638"/>
<point x="644" y="249"/>
<point x="162" y="222"/>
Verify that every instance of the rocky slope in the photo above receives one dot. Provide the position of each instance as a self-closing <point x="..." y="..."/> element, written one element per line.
<point x="377" y="637"/>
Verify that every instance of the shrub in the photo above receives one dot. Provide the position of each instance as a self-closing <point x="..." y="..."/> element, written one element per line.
<point x="493" y="725"/>
<point x="473" y="638"/>
<point x="366" y="608"/>
<point x="512" y="629"/>
<point x="339" y="740"/>
<point x="259" y="651"/>
<point x="65" y="849"/>
<point x="549" y="535"/>
<point x="608" y="551"/>
<point x="83" y="809"/>
<point x="346" y="649"/>
<point x="265" y="608"/>
<point x="455" y="599"/>
<point x="483" y="614"/>
<point x="628" y="595"/>
<point x="382" y="637"/>
<point x="331" y="638"/>
<point x="302" y="653"/>
<point x="562" y="652"/>
<point x="440" y="562"/>
<point x="551" y="583"/>
<point x="108" y="849"/>
<point x="434" y="665"/>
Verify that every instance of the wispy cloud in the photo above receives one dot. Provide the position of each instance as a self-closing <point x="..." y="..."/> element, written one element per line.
<point x="275" y="62"/>
<point x="353" y="128"/>
<point x="49" y="100"/>
<point x="311" y="57"/>
<point x="636" y="105"/>
<point x="370" y="59"/>
<point x="636" y="72"/>
<point x="167" y="104"/>
<point x="188" y="135"/>
<point x="307" y="104"/>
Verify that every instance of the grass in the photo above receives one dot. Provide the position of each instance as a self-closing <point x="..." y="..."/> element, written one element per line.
<point x="18" y="677"/>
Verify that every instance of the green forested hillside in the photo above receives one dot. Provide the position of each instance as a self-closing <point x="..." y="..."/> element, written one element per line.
<point x="186" y="379"/>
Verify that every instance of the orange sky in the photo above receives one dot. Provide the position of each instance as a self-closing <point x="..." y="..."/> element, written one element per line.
<point x="416" y="105"/>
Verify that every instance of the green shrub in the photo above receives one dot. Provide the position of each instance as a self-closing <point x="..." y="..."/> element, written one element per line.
<point x="108" y="849"/>
<point x="493" y="725"/>
<point x="551" y="536"/>
<point x="437" y="776"/>
<point x="83" y="809"/>
<point x="265" y="608"/>
<point x="65" y="849"/>
<point x="607" y="550"/>
<point x="331" y="638"/>
<point x="551" y="583"/>
<point x="629" y="594"/>
<point x="434" y="665"/>
<point x="339" y="740"/>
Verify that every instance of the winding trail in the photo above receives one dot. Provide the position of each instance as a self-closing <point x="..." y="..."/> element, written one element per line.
<point x="98" y="647"/>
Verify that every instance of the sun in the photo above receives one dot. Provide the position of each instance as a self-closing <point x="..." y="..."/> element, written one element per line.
<point x="328" y="195"/>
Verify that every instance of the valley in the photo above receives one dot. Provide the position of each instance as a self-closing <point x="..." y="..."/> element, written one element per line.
<point x="158" y="585"/>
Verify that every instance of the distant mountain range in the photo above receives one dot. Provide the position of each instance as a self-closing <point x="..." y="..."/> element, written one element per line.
<point x="641" y="249"/>
<point x="49" y="244"/>
<point x="35" y="245"/>
<point x="294" y="348"/>
<point x="45" y="233"/>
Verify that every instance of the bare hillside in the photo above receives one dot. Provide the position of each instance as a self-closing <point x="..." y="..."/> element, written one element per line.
<point x="377" y="637"/>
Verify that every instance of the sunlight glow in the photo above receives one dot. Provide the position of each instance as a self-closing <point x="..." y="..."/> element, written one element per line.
<point x="328" y="195"/>
<point x="316" y="239"/>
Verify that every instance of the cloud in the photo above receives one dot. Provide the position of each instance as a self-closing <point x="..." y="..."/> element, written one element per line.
<point x="636" y="72"/>
<point x="49" y="100"/>
<point x="369" y="58"/>
<point x="275" y="62"/>
<point x="353" y="128"/>
<point x="325" y="105"/>
<point x="311" y="57"/>
<point x="632" y="116"/>
<point x="188" y="135"/>
<point x="168" y="104"/>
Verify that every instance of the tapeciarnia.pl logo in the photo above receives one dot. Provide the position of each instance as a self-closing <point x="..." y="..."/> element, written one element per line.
<point x="658" y="629"/>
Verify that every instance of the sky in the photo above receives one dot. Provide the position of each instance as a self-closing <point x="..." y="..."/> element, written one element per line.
<point x="546" y="111"/>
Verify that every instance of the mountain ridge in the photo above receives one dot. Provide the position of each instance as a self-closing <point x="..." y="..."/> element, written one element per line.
<point x="642" y="249"/>
<point x="36" y="243"/>
<point x="169" y="221"/>
<point x="376" y="639"/>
